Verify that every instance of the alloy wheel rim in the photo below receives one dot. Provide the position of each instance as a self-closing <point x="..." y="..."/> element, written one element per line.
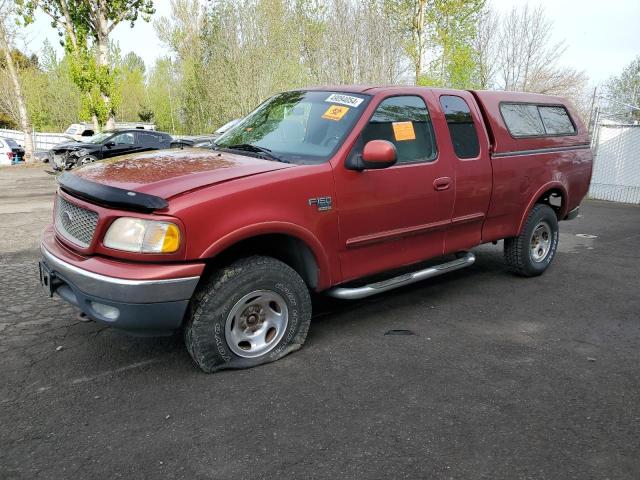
<point x="256" y="323"/>
<point x="540" y="244"/>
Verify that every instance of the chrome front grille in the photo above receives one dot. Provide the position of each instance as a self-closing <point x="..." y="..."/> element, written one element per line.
<point x="75" y="223"/>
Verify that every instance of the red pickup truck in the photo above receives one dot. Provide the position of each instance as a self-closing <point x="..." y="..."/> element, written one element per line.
<point x="349" y="191"/>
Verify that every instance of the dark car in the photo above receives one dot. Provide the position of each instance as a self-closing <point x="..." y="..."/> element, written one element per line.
<point x="106" y="145"/>
<point x="204" y="141"/>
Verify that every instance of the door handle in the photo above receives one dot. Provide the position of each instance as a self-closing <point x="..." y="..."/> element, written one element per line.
<point x="442" y="183"/>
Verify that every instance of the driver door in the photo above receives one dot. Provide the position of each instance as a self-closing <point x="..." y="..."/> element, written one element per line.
<point x="395" y="216"/>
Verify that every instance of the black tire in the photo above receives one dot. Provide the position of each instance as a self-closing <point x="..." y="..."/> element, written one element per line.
<point x="205" y="332"/>
<point x="519" y="252"/>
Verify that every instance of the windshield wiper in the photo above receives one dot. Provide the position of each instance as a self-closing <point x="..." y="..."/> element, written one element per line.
<point x="248" y="147"/>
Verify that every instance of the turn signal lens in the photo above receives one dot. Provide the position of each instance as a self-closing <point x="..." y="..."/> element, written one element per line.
<point x="171" y="241"/>
<point x="143" y="236"/>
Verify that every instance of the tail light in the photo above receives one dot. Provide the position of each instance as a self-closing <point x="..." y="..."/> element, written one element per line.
<point x="10" y="155"/>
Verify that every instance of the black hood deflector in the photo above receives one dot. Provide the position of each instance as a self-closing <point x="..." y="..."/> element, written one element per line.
<point x="110" y="196"/>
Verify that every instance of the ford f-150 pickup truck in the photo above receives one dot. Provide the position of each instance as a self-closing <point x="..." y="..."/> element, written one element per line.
<point x="350" y="191"/>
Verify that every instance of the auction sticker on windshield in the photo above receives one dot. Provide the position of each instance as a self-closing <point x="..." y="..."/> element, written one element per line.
<point x="344" y="100"/>
<point x="335" y="112"/>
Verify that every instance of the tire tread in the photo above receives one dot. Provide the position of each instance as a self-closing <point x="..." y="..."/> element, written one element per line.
<point x="216" y="282"/>
<point x="516" y="248"/>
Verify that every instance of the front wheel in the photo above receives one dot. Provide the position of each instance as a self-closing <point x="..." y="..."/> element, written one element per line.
<point x="530" y="253"/>
<point x="254" y="311"/>
<point x="86" y="160"/>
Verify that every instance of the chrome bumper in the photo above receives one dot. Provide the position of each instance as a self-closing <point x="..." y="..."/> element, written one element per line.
<point x="120" y="289"/>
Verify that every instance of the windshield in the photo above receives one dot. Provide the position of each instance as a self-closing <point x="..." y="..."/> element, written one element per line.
<point x="98" y="137"/>
<point x="12" y="143"/>
<point x="298" y="127"/>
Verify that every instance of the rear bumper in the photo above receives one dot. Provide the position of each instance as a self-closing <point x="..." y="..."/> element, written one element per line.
<point x="137" y="306"/>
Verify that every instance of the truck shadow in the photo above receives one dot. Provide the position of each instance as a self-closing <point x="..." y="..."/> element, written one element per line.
<point x="329" y="316"/>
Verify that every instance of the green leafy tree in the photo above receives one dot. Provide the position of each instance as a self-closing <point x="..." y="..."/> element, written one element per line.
<point x="441" y="30"/>
<point x="84" y="27"/>
<point x="11" y="69"/>
<point x="162" y="95"/>
<point x="130" y="87"/>
<point x="451" y="27"/>
<point x="624" y="92"/>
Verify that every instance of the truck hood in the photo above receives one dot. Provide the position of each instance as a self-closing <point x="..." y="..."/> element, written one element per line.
<point x="166" y="173"/>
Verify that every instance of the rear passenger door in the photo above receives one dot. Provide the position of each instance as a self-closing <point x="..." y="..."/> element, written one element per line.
<point x="468" y="149"/>
<point x="395" y="216"/>
<point x="148" y="141"/>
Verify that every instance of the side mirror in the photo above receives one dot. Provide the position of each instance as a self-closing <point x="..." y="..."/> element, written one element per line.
<point x="376" y="154"/>
<point x="110" y="144"/>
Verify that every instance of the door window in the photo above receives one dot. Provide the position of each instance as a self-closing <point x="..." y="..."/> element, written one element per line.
<point x="461" y="127"/>
<point x="148" y="139"/>
<point x="405" y="122"/>
<point x="124" y="139"/>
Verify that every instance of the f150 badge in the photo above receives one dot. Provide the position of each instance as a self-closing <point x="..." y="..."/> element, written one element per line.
<point x="323" y="203"/>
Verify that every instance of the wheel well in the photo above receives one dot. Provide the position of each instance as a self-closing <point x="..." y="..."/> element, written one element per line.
<point x="554" y="199"/>
<point x="290" y="250"/>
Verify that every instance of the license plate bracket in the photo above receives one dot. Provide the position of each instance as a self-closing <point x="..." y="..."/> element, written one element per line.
<point x="47" y="278"/>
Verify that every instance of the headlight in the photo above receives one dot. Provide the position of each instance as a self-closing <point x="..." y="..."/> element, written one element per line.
<point x="142" y="236"/>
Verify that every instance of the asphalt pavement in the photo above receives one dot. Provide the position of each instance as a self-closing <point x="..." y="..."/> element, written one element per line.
<point x="474" y="375"/>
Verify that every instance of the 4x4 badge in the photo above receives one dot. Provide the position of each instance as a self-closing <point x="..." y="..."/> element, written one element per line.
<point x="323" y="203"/>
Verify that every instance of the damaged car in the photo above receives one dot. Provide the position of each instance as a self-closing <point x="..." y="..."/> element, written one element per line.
<point x="108" y="144"/>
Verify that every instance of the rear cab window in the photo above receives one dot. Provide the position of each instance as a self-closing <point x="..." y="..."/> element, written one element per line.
<point x="531" y="120"/>
<point x="462" y="129"/>
<point x="405" y="122"/>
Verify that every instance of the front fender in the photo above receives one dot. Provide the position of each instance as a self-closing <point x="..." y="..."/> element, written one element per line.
<point x="276" y="227"/>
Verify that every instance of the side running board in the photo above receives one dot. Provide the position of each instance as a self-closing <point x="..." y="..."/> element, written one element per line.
<point x="400" y="281"/>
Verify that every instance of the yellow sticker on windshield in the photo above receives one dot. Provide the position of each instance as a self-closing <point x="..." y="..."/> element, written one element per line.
<point x="335" y="112"/>
<point x="403" y="131"/>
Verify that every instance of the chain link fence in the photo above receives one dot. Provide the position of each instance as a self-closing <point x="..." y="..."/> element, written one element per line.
<point x="41" y="141"/>
<point x="616" y="149"/>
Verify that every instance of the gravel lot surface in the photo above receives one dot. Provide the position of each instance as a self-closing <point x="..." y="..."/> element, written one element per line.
<point x="502" y="378"/>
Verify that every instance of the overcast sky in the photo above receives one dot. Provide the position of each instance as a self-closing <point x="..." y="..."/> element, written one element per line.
<point x="602" y="36"/>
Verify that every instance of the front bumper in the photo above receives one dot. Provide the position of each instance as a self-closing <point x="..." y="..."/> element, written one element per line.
<point x="140" y="306"/>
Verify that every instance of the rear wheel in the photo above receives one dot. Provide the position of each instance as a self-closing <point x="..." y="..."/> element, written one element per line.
<point x="531" y="253"/>
<point x="254" y="311"/>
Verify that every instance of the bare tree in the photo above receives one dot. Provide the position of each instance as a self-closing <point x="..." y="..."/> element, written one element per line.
<point x="6" y="15"/>
<point x="485" y="45"/>
<point x="529" y="61"/>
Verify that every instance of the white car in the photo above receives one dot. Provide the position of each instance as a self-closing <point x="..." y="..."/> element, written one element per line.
<point x="10" y="151"/>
